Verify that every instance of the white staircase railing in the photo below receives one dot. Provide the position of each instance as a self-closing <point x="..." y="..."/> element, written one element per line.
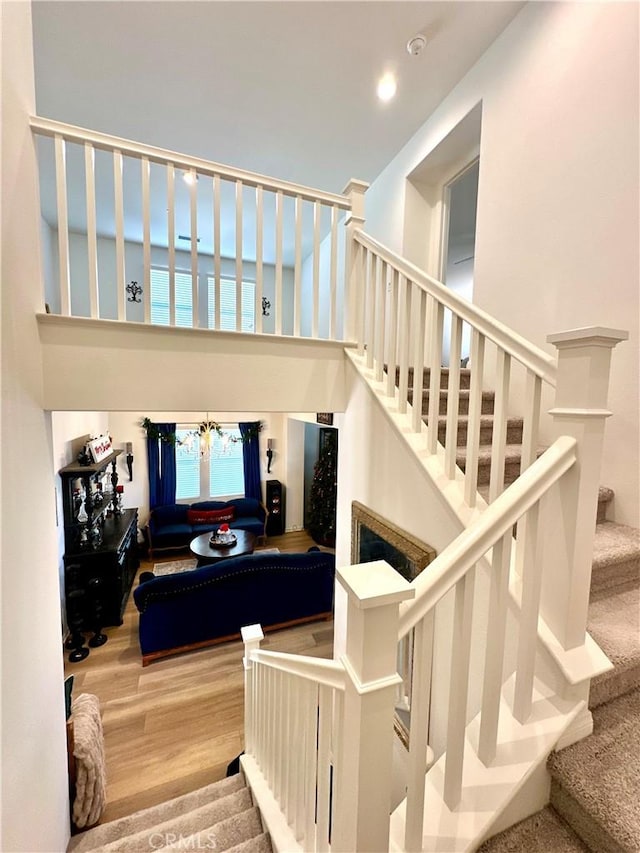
<point x="105" y="186"/>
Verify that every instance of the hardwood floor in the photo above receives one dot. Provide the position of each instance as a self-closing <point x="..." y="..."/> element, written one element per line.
<point x="174" y="726"/>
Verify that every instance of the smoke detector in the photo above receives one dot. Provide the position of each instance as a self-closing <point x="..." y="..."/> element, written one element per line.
<point x="416" y="44"/>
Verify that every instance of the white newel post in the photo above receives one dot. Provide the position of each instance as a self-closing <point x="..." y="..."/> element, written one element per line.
<point x="354" y="219"/>
<point x="580" y="410"/>
<point x="251" y="637"/>
<point x="363" y="791"/>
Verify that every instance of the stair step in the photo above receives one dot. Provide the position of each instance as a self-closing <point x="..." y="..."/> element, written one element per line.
<point x="596" y="782"/>
<point x="258" y="844"/>
<point x="512" y="460"/>
<point x="616" y="557"/>
<point x="514" y="429"/>
<point x="145" y="819"/>
<point x="605" y="496"/>
<point x="488" y="399"/>
<point x="225" y="835"/>
<point x="613" y="622"/>
<point x="465" y="377"/>
<point x="543" y="832"/>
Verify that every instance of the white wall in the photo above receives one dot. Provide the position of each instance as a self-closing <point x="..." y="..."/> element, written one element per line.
<point x="557" y="234"/>
<point x="33" y="761"/>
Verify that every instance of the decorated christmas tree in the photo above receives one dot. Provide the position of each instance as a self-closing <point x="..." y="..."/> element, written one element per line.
<point x="322" y="498"/>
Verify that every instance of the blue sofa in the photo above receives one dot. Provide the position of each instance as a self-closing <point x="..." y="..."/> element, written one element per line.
<point x="169" y="527"/>
<point x="209" y="605"/>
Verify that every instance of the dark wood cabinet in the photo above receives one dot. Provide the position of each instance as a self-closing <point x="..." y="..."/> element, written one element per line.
<point x="275" y="506"/>
<point x="101" y="555"/>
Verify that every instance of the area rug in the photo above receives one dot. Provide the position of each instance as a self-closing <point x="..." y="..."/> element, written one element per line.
<point x="175" y="567"/>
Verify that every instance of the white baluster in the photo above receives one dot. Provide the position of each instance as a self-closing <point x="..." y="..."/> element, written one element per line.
<point x="92" y="234"/>
<point x="404" y="335"/>
<point x="418" y="312"/>
<point x="239" y="256"/>
<point x="381" y="300"/>
<point x="311" y="761"/>
<point x="453" y="395"/>
<point x="315" y="311"/>
<point x="333" y="274"/>
<point x="297" y="269"/>
<point x="171" y="240"/>
<point x="146" y="238"/>
<point x="193" y="216"/>
<point x="392" y="356"/>
<point x="531" y="423"/>
<point x="370" y="305"/>
<point x="435" y="358"/>
<point x="459" y="688"/>
<point x="324" y="767"/>
<point x="63" y="225"/>
<point x="118" y="207"/>
<point x="531" y="585"/>
<point x="287" y="722"/>
<point x="300" y="778"/>
<point x="473" y="423"/>
<point x="420" y="703"/>
<point x="359" y="256"/>
<point x="217" y="250"/>
<point x="500" y="414"/>
<point x="494" y="650"/>
<point x="336" y="754"/>
<point x="278" y="292"/>
<point x="259" y="253"/>
<point x="251" y="637"/>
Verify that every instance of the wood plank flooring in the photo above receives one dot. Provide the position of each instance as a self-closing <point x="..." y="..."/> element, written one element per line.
<point x="174" y="726"/>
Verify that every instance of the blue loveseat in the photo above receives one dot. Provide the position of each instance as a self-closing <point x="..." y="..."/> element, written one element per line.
<point x="170" y="528"/>
<point x="209" y="605"/>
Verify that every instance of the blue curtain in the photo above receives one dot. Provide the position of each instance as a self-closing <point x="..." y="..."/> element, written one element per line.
<point x="251" y="460"/>
<point x="161" y="457"/>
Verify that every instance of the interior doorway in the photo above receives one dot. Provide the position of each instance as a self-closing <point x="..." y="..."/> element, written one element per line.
<point x="460" y="203"/>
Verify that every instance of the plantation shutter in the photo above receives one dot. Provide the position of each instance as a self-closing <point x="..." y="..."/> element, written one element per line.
<point x="226" y="469"/>
<point x="228" y="305"/>
<point x="160" y="298"/>
<point x="187" y="467"/>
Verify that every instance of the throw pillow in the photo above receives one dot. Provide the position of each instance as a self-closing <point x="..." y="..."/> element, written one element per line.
<point x="211" y="516"/>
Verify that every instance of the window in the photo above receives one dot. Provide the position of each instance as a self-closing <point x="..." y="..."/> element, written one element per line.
<point x="228" y="304"/>
<point x="219" y="477"/>
<point x="160" y="298"/>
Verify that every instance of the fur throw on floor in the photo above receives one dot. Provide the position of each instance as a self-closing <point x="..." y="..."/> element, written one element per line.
<point x="91" y="776"/>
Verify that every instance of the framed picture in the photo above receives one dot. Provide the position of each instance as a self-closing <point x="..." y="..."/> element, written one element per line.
<point x="100" y="448"/>
<point x="325" y="418"/>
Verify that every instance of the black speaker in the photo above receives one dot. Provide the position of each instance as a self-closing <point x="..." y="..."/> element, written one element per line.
<point x="275" y="505"/>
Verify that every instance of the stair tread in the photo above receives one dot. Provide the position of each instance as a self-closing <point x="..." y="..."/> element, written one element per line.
<point x="601" y="774"/>
<point x="225" y="835"/>
<point x="615" y="543"/>
<point x="512" y="453"/>
<point x="614" y="623"/>
<point x="543" y="832"/>
<point x="257" y="844"/>
<point x="116" y="837"/>
<point x="485" y="420"/>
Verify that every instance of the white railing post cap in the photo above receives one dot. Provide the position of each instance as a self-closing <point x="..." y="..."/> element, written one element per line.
<point x="589" y="335"/>
<point x="251" y="633"/>
<point x="355" y="185"/>
<point x="374" y="584"/>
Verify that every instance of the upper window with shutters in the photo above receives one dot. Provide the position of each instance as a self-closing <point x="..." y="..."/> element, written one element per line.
<point x="161" y="306"/>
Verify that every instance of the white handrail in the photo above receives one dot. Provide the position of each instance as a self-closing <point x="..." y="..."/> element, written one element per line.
<point x="467" y="548"/>
<point x="105" y="141"/>
<point x="530" y="356"/>
<point x="330" y="673"/>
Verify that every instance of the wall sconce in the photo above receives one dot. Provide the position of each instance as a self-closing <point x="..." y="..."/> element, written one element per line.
<point x="269" y="454"/>
<point x="265" y="306"/>
<point x="129" y="448"/>
<point x="134" y="290"/>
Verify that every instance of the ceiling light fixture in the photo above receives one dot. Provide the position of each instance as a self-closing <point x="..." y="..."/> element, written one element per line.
<point x="387" y="86"/>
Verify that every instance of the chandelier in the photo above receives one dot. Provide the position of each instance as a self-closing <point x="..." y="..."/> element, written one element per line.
<point x="202" y="440"/>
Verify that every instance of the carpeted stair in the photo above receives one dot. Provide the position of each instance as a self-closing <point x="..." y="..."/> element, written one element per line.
<point x="219" y="817"/>
<point x="595" y="796"/>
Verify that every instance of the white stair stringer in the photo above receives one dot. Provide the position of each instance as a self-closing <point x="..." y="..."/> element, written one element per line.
<point x="283" y="839"/>
<point x="487" y="791"/>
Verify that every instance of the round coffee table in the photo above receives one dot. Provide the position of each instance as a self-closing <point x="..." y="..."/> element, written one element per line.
<point x="205" y="554"/>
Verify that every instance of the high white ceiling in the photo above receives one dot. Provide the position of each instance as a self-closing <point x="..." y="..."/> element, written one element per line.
<point x="283" y="88"/>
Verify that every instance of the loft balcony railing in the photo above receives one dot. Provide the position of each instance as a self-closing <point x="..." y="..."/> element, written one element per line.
<point x="130" y="204"/>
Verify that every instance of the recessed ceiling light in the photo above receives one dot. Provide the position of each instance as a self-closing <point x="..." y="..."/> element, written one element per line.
<point x="387" y="86"/>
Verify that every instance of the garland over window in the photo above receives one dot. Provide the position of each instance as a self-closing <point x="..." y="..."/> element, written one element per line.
<point x="203" y="428"/>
